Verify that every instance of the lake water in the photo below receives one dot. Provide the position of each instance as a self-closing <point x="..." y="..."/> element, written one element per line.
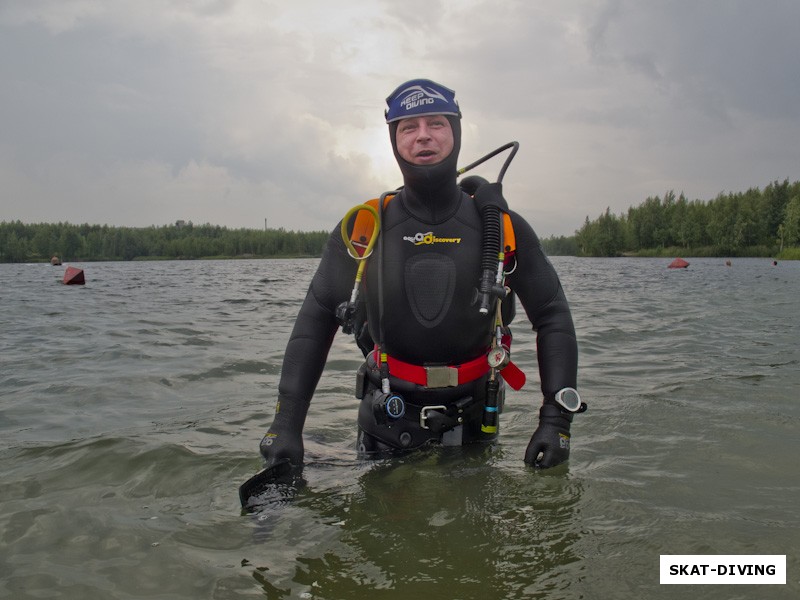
<point x="131" y="409"/>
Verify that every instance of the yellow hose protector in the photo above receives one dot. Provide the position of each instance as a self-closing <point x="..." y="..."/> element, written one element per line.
<point x="361" y="258"/>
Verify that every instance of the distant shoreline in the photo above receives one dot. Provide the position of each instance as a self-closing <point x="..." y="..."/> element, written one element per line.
<point x="665" y="255"/>
<point x="37" y="261"/>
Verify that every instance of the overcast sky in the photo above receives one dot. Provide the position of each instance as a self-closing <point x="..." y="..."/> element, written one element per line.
<point x="230" y="112"/>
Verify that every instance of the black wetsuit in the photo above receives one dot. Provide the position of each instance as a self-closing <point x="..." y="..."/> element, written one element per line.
<point x="432" y="235"/>
<point x="429" y="312"/>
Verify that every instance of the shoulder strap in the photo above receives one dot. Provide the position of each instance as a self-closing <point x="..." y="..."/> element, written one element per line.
<point x="365" y="224"/>
<point x="509" y="240"/>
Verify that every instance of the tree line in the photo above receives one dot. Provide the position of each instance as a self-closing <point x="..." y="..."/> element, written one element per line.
<point x="752" y="223"/>
<point x="21" y="242"/>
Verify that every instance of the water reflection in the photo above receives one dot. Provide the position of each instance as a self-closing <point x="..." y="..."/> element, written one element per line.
<point x="455" y="523"/>
<point x="132" y="409"/>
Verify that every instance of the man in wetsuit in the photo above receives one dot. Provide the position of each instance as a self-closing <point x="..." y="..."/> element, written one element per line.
<point x="420" y="310"/>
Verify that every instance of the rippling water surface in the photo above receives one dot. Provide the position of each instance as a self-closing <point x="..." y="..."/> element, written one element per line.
<point x="131" y="410"/>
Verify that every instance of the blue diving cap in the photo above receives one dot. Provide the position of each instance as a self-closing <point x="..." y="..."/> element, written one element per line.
<point x="420" y="97"/>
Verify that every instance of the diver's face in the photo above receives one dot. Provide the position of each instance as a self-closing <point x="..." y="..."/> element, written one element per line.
<point x="424" y="140"/>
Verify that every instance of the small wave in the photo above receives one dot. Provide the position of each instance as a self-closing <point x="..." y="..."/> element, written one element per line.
<point x="234" y="368"/>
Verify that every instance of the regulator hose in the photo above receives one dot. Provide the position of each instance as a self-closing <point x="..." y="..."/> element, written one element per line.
<point x="514" y="147"/>
<point x="491" y="282"/>
<point x="346" y="310"/>
<point x="492" y="253"/>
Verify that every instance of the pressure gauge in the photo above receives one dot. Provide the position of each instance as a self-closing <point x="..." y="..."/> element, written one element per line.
<point x="498" y="357"/>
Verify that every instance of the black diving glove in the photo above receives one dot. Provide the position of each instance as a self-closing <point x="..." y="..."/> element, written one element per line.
<point x="549" y="445"/>
<point x="276" y="445"/>
<point x="284" y="439"/>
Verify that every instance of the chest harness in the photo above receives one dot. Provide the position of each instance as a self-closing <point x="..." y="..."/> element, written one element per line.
<point x="498" y="259"/>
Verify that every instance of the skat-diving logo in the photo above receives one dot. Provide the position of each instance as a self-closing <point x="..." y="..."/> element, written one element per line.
<point x="427" y="239"/>
<point x="416" y="95"/>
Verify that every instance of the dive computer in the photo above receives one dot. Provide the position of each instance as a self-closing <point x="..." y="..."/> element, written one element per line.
<point x="569" y="399"/>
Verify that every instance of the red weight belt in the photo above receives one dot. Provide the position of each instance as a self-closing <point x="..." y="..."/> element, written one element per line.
<point x="443" y="376"/>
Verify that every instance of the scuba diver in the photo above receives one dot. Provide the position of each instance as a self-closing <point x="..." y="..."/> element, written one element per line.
<point x="438" y="267"/>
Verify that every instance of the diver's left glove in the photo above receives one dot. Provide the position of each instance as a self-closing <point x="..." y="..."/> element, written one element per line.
<point x="549" y="445"/>
<point x="284" y="439"/>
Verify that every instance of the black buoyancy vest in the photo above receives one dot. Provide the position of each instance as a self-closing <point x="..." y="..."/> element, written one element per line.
<point x="430" y="274"/>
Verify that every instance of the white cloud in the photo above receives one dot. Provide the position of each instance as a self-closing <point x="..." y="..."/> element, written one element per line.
<point x="233" y="111"/>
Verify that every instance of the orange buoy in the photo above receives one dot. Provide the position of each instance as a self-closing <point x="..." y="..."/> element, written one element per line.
<point x="74" y="276"/>
<point x="678" y="263"/>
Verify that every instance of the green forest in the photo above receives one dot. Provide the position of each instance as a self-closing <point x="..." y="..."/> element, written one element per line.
<point x="31" y="243"/>
<point x="752" y="223"/>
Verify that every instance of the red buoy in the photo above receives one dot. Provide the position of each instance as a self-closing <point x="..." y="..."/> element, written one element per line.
<point x="74" y="276"/>
<point x="678" y="263"/>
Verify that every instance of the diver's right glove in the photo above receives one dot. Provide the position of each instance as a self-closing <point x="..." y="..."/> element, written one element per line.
<point x="276" y="445"/>
<point x="284" y="439"/>
<point x="549" y="445"/>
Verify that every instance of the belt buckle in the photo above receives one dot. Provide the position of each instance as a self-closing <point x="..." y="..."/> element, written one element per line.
<point x="439" y="377"/>
<point x="423" y="414"/>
